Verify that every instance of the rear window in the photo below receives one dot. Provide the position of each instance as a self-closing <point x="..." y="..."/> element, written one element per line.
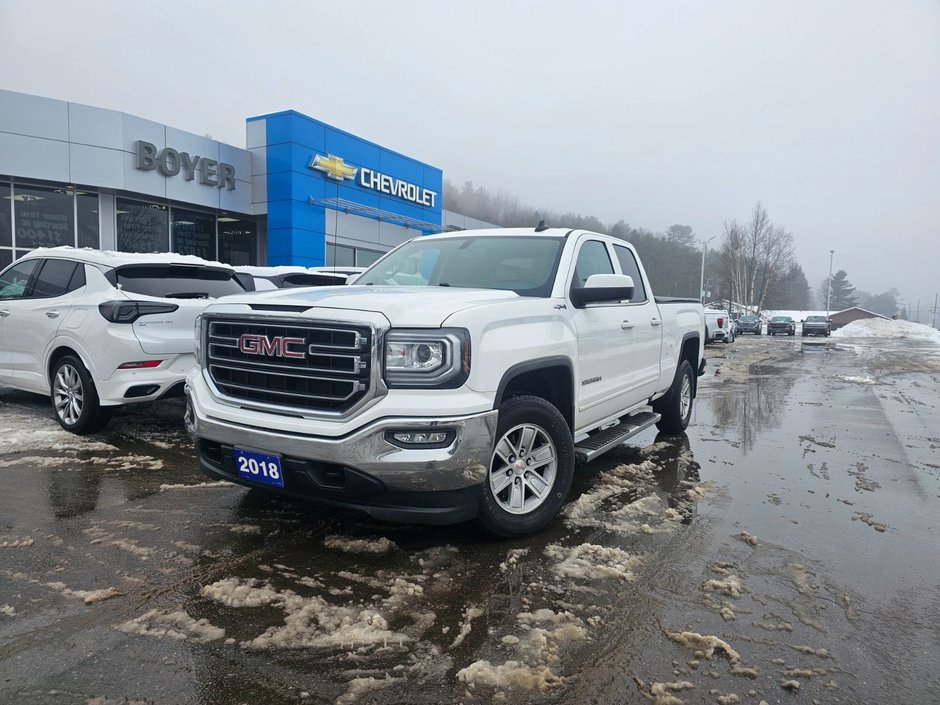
<point x="816" y="319"/>
<point x="300" y="279"/>
<point x="178" y="282"/>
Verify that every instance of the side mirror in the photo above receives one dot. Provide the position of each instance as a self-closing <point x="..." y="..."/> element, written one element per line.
<point x="603" y="288"/>
<point x="352" y="278"/>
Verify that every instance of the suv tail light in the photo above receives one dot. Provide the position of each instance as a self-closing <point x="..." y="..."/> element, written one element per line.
<point x="130" y="311"/>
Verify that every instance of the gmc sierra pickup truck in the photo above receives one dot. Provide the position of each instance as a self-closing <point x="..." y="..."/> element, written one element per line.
<point x="460" y="376"/>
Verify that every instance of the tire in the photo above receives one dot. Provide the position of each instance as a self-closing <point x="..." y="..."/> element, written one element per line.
<point x="75" y="399"/>
<point x="676" y="406"/>
<point x="791" y="333"/>
<point x="503" y="512"/>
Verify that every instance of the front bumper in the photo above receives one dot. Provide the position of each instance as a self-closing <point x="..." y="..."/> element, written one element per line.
<point x="362" y="469"/>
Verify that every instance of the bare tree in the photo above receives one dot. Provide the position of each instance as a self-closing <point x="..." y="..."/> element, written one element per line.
<point x="754" y="257"/>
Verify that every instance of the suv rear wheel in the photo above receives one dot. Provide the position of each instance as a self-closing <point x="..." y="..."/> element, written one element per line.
<point x="530" y="471"/>
<point x="75" y="399"/>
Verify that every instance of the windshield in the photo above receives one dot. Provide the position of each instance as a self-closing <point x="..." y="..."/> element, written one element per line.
<point x="780" y="319"/>
<point x="748" y="319"/>
<point x="178" y="282"/>
<point x="525" y="265"/>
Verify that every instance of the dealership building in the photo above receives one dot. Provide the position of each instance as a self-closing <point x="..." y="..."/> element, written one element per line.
<point x="300" y="192"/>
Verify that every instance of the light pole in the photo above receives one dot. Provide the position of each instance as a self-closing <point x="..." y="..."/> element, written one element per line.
<point x="701" y="286"/>
<point x="829" y="285"/>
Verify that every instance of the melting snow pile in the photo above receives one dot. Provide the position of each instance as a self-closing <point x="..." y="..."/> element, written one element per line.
<point x="172" y="625"/>
<point x="882" y="328"/>
<point x="350" y="545"/>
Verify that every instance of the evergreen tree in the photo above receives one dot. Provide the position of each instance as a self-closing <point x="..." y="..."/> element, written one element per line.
<point x="842" y="294"/>
<point x="791" y="293"/>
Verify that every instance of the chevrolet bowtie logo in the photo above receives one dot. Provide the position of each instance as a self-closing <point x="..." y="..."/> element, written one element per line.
<point x="333" y="167"/>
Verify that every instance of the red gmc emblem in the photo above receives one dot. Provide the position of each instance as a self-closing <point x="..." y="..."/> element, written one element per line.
<point x="278" y="346"/>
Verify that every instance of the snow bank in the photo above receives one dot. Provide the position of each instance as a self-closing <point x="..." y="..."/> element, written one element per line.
<point x="882" y="328"/>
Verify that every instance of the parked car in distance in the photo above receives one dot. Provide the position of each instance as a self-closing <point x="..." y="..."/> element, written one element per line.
<point x="816" y="325"/>
<point x="95" y="329"/>
<point x="718" y="327"/>
<point x="750" y="324"/>
<point x="268" y="278"/>
<point x="781" y="324"/>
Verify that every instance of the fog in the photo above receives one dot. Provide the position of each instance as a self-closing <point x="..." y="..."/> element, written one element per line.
<point x="686" y="112"/>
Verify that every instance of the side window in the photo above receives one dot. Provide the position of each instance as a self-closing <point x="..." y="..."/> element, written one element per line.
<point x="629" y="267"/>
<point x="53" y="279"/>
<point x="14" y="280"/>
<point x="592" y="259"/>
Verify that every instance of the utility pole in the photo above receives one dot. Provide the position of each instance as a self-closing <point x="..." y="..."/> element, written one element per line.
<point x="829" y="285"/>
<point x="701" y="286"/>
<point x="933" y="313"/>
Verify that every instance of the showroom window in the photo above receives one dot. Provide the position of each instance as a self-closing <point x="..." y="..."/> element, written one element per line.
<point x="86" y="208"/>
<point x="6" y="215"/>
<point x="142" y="227"/>
<point x="238" y="241"/>
<point x="340" y="256"/>
<point x="43" y="217"/>
<point x="6" y="225"/>
<point x="366" y="258"/>
<point x="194" y="233"/>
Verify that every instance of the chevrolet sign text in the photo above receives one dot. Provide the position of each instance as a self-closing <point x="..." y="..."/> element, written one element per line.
<point x="396" y="187"/>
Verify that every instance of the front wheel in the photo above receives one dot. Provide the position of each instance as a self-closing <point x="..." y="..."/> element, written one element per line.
<point x="531" y="469"/>
<point x="676" y="406"/>
<point x="75" y="399"/>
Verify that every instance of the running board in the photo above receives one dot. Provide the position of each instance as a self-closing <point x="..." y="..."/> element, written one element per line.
<point x="601" y="442"/>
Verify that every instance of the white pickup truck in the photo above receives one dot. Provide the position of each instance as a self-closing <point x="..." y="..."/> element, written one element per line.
<point x="461" y="376"/>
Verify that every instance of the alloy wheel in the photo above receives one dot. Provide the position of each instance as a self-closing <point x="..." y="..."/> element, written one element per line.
<point x="523" y="469"/>
<point x="68" y="394"/>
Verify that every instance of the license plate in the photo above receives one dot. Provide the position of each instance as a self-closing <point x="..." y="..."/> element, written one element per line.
<point x="259" y="467"/>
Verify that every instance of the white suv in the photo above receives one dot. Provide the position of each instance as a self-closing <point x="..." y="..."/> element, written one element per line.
<point x="96" y="329"/>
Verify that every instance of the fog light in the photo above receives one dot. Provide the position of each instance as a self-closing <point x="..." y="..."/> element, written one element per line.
<point x="420" y="437"/>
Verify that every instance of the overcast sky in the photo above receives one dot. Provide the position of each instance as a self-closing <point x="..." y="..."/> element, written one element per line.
<point x="654" y="112"/>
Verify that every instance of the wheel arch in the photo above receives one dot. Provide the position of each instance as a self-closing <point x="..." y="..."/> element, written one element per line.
<point x="60" y="350"/>
<point x="689" y="350"/>
<point x="549" y="378"/>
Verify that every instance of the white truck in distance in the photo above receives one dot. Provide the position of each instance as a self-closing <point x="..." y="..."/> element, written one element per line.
<point x="459" y="377"/>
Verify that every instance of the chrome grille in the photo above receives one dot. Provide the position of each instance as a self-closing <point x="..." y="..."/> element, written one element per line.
<point x="326" y="368"/>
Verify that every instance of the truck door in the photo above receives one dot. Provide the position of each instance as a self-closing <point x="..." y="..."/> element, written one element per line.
<point x="643" y="373"/>
<point x="605" y="342"/>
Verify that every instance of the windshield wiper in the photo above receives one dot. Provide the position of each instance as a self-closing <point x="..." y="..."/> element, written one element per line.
<point x="188" y="295"/>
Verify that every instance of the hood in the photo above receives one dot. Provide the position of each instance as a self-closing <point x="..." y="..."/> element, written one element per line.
<point x="405" y="306"/>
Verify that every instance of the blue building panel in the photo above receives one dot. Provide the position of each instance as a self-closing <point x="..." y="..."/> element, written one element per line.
<point x="296" y="192"/>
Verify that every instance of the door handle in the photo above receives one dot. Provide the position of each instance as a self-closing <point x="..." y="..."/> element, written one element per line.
<point x="4" y="312"/>
<point x="656" y="322"/>
<point x="627" y="325"/>
<point x="52" y="314"/>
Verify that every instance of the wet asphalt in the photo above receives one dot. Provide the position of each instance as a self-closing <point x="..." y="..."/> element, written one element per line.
<point x="784" y="550"/>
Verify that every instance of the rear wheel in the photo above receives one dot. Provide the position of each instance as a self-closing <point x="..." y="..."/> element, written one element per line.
<point x="530" y="471"/>
<point x="676" y="406"/>
<point x="75" y="399"/>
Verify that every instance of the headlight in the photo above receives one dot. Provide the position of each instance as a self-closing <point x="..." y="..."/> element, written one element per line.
<point x="197" y="339"/>
<point x="427" y="358"/>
